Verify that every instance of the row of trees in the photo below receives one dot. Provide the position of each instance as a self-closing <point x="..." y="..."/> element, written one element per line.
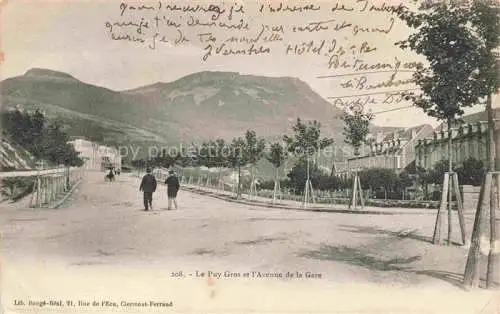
<point x="371" y="179"/>
<point x="246" y="151"/>
<point x="236" y="154"/>
<point x="305" y="142"/>
<point x="45" y="139"/>
<point x="470" y="172"/>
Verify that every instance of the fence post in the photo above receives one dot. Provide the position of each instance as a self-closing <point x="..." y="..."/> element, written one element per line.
<point x="38" y="187"/>
<point x="53" y="186"/>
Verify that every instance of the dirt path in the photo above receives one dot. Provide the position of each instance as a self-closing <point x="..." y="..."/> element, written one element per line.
<point x="101" y="245"/>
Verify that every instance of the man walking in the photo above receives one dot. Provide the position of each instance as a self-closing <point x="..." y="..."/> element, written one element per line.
<point x="148" y="186"/>
<point x="173" y="186"/>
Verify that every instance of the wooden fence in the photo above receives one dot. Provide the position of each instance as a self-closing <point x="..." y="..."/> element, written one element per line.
<point x="51" y="186"/>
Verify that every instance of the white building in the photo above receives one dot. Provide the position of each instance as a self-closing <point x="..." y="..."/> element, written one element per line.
<point x="395" y="151"/>
<point x="96" y="156"/>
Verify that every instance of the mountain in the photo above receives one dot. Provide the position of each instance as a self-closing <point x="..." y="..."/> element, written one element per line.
<point x="193" y="108"/>
<point x="89" y="110"/>
<point x="225" y="104"/>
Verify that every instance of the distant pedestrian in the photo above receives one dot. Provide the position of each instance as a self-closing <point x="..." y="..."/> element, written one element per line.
<point x="111" y="175"/>
<point x="148" y="186"/>
<point x="173" y="187"/>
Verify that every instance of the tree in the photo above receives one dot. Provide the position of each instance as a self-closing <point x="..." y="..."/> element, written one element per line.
<point x="305" y="142"/>
<point x="43" y="138"/>
<point x="328" y="182"/>
<point x="276" y="156"/>
<point x="345" y="182"/>
<point x="26" y="128"/>
<point x="459" y="44"/>
<point x="36" y="128"/>
<point x="404" y="181"/>
<point x="221" y="160"/>
<point x="375" y="178"/>
<point x="356" y="128"/>
<point x="298" y="175"/>
<point x="165" y="159"/>
<point x="462" y="69"/>
<point x="423" y="180"/>
<point x="436" y="174"/>
<point x="188" y="157"/>
<point x="254" y="150"/>
<point x="207" y="154"/>
<point x="471" y="172"/>
<point x="237" y="159"/>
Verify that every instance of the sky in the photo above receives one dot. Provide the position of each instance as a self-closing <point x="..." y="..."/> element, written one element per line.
<point x="71" y="36"/>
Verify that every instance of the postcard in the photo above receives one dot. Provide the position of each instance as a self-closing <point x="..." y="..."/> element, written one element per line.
<point x="179" y="156"/>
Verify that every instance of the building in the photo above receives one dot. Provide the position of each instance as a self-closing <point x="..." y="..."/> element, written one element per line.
<point x="395" y="150"/>
<point x="469" y="140"/>
<point x="96" y="156"/>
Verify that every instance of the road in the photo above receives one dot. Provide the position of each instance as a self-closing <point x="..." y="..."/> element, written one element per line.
<point x="102" y="246"/>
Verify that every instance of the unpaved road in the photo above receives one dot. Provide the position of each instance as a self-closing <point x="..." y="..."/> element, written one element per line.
<point x="101" y="246"/>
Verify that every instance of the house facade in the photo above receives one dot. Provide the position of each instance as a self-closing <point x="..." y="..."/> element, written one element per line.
<point x="395" y="150"/>
<point x="96" y="156"/>
<point x="469" y="140"/>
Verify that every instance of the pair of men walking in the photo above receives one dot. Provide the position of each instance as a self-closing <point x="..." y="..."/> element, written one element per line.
<point x="148" y="186"/>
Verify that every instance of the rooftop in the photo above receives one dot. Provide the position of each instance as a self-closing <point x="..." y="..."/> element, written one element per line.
<point x="471" y="118"/>
<point x="404" y="133"/>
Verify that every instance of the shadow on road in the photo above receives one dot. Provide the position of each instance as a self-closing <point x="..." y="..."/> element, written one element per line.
<point x="203" y="252"/>
<point x="405" y="234"/>
<point x="357" y="257"/>
<point x="261" y="240"/>
<point x="402" y="234"/>
<point x="362" y="258"/>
